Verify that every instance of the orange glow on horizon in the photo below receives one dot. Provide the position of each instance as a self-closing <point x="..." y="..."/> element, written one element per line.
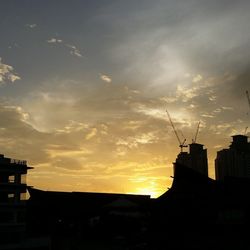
<point x="153" y="192"/>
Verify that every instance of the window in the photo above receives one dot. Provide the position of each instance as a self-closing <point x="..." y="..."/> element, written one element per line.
<point x="12" y="179"/>
<point x="23" y="196"/>
<point x="11" y="196"/>
<point x="23" y="179"/>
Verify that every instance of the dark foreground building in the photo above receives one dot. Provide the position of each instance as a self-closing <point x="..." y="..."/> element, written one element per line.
<point x="195" y="159"/>
<point x="13" y="208"/>
<point x="234" y="161"/>
<point x="195" y="213"/>
<point x="12" y="201"/>
<point x="200" y="213"/>
<point x="80" y="220"/>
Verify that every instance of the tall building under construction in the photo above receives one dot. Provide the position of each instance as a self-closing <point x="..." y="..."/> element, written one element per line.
<point x="234" y="161"/>
<point x="195" y="159"/>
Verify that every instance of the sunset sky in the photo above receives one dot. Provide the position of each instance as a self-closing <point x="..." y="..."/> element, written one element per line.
<point x="84" y="87"/>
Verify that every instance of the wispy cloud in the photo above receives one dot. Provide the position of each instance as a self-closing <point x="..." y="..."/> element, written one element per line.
<point x="105" y="78"/>
<point x="31" y="26"/>
<point x="14" y="45"/>
<point x="74" y="50"/>
<point x="212" y="98"/>
<point x="207" y="115"/>
<point x="13" y="77"/>
<point x="54" y="40"/>
<point x="91" y="134"/>
<point x="7" y="73"/>
<point x="197" y="78"/>
<point x="83" y="140"/>
<point x="227" y="108"/>
<point x="187" y="93"/>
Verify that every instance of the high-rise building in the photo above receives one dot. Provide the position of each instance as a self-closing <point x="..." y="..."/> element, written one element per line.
<point x="12" y="199"/>
<point x="196" y="159"/>
<point x="234" y="161"/>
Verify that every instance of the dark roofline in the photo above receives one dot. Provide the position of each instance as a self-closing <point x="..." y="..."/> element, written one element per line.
<point x="196" y="143"/>
<point x="239" y="135"/>
<point x="32" y="189"/>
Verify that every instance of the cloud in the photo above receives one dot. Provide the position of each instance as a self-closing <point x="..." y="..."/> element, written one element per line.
<point x="227" y="108"/>
<point x="197" y="78"/>
<point x="92" y="133"/>
<point x="207" y="115"/>
<point x="13" y="77"/>
<point x="106" y="78"/>
<point x="54" y="40"/>
<point x="14" y="45"/>
<point x="153" y="112"/>
<point x="136" y="139"/>
<point x="106" y="132"/>
<point x="69" y="163"/>
<point x="187" y="93"/>
<point x="74" y="50"/>
<point x="7" y="73"/>
<point x="18" y="138"/>
<point x="167" y="58"/>
<point x="32" y="26"/>
<point x="212" y="98"/>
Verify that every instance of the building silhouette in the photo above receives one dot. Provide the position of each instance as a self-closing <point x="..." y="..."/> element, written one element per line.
<point x="195" y="159"/>
<point x="198" y="212"/>
<point x="12" y="199"/>
<point x="234" y="161"/>
<point x="179" y="219"/>
<point x="81" y="219"/>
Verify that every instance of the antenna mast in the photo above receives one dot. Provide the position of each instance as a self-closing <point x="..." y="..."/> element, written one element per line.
<point x="181" y="144"/>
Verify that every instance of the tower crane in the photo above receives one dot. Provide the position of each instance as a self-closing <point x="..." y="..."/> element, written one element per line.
<point x="248" y="98"/>
<point x="181" y="144"/>
<point x="197" y="131"/>
<point x="245" y="132"/>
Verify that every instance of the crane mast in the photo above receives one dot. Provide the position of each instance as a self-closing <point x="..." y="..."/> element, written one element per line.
<point x="248" y="98"/>
<point x="181" y="144"/>
<point x="197" y="131"/>
<point x="245" y="132"/>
